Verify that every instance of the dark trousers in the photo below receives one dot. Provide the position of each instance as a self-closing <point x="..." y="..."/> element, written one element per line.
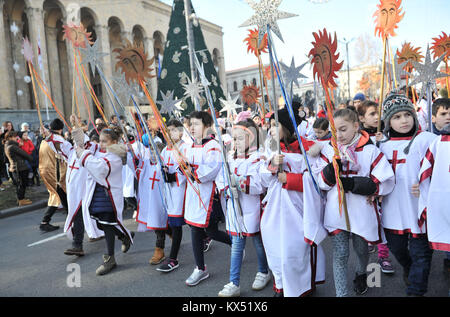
<point x="51" y="210"/>
<point x="414" y="254"/>
<point x="177" y="236"/>
<point x="78" y="229"/>
<point x="199" y="234"/>
<point x="111" y="232"/>
<point x="20" y="180"/>
<point x="161" y="237"/>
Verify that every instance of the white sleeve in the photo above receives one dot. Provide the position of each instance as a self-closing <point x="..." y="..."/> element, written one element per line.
<point x="60" y="146"/>
<point x="210" y="167"/>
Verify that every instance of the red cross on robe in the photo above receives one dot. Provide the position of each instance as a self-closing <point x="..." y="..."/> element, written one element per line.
<point x="395" y="161"/>
<point x="154" y="179"/>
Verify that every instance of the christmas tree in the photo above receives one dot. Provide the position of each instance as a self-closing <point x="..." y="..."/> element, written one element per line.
<point x="175" y="68"/>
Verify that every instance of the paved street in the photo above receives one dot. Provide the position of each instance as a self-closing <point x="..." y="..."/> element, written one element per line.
<point x="30" y="269"/>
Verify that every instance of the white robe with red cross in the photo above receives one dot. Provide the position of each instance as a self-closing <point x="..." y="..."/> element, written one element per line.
<point x="175" y="198"/>
<point x="434" y="199"/>
<point x="151" y="211"/>
<point x="106" y="170"/>
<point x="296" y="265"/>
<point x="400" y="207"/>
<point x="75" y="184"/>
<point x="206" y="160"/>
<point x="364" y="217"/>
<point x="250" y="195"/>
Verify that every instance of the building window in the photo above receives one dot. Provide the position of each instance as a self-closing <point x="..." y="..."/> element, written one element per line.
<point x="235" y="87"/>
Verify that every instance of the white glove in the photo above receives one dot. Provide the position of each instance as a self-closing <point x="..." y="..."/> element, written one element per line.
<point x="79" y="151"/>
<point x="120" y="150"/>
<point x="78" y="137"/>
<point x="235" y="192"/>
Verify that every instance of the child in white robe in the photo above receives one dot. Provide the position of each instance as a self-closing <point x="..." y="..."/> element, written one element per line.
<point x="404" y="147"/>
<point x="176" y="190"/>
<point x="244" y="164"/>
<point x="296" y="265"/>
<point x="104" y="193"/>
<point x="364" y="173"/>
<point x="202" y="208"/>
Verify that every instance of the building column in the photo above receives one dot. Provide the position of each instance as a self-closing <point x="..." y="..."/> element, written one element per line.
<point x="6" y="96"/>
<point x="37" y="33"/>
<point x="149" y="48"/>
<point x="24" y="100"/>
<point x="102" y="32"/>
<point x="54" y="67"/>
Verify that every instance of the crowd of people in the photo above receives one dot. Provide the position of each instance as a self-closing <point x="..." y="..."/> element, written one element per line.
<point x="283" y="189"/>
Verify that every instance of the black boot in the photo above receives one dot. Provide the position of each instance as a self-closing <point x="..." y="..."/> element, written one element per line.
<point x="78" y="251"/>
<point x="360" y="284"/>
<point x="46" y="227"/>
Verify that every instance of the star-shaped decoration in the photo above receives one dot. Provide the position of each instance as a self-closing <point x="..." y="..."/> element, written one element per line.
<point x="201" y="71"/>
<point x="124" y="91"/>
<point x="92" y="55"/>
<point x="292" y="73"/>
<point x="266" y="15"/>
<point x="27" y="50"/>
<point x="192" y="90"/>
<point x="14" y="28"/>
<point x="230" y="105"/>
<point x="399" y="70"/>
<point x="428" y="72"/>
<point x="169" y="105"/>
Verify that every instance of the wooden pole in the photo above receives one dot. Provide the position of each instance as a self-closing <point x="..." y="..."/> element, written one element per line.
<point x="383" y="72"/>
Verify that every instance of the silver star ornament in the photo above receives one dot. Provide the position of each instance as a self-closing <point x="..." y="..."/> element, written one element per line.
<point x="292" y="73"/>
<point x="192" y="90"/>
<point x="92" y="55"/>
<point x="397" y="70"/>
<point x="428" y="72"/>
<point x="266" y="16"/>
<point x="230" y="105"/>
<point x="169" y="105"/>
<point x="124" y="91"/>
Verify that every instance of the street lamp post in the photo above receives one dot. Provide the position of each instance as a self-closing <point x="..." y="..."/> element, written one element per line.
<point x="348" y="64"/>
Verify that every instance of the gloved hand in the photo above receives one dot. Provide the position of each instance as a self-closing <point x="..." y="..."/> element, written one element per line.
<point x="359" y="185"/>
<point x="170" y="177"/>
<point x="364" y="186"/>
<point x="120" y="150"/>
<point x="348" y="183"/>
<point x="79" y="151"/>
<point x="235" y="192"/>
<point x="328" y="172"/>
<point x="78" y="137"/>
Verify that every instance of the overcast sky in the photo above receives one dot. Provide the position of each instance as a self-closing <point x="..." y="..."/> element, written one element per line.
<point x="423" y="20"/>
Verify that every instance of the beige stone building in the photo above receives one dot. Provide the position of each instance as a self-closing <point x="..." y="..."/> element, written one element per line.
<point x="109" y="21"/>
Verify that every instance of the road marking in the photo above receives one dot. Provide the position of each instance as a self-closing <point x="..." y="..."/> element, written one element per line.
<point x="46" y="240"/>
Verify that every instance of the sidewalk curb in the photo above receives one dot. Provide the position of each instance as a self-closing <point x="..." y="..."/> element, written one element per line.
<point x="20" y="210"/>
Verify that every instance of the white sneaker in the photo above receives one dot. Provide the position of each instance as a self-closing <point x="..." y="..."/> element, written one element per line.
<point x="261" y="281"/>
<point x="230" y="290"/>
<point x="197" y="276"/>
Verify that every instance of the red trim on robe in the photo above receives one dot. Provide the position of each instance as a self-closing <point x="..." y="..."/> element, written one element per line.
<point x="294" y="182"/>
<point x="208" y="215"/>
<point x="84" y="159"/>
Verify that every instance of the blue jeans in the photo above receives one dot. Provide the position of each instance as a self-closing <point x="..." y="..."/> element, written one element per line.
<point x="237" y="252"/>
<point x="416" y="261"/>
